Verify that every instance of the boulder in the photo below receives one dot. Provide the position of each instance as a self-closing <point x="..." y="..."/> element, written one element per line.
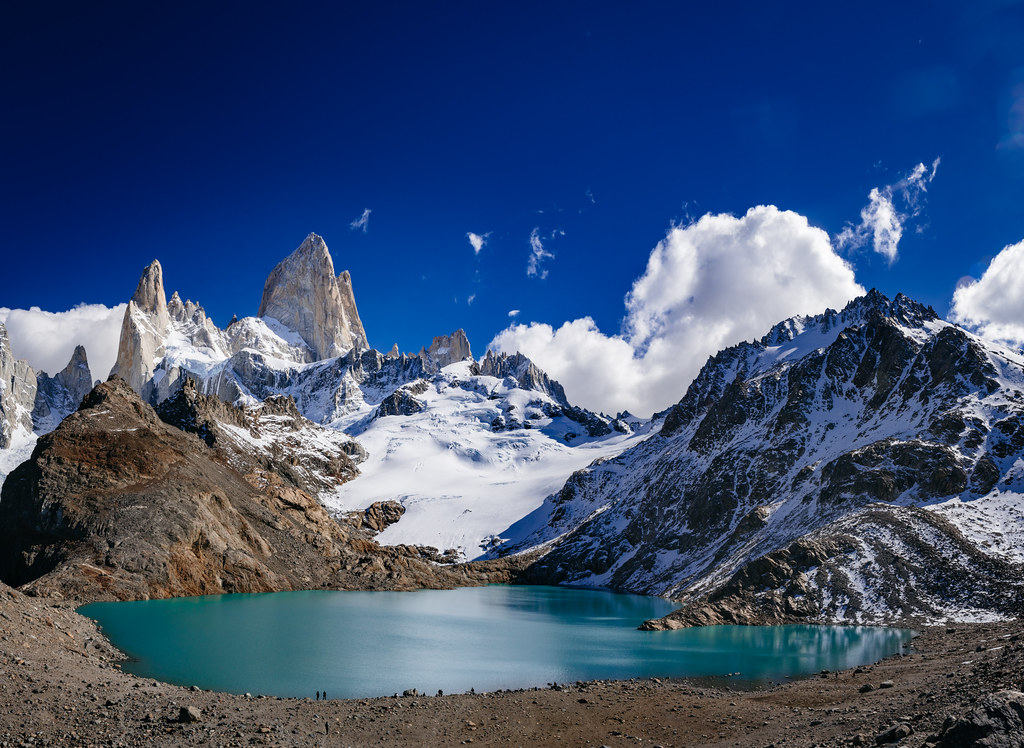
<point x="190" y="714"/>
<point x="997" y="722"/>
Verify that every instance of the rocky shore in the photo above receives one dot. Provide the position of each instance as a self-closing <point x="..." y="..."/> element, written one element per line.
<point x="61" y="684"/>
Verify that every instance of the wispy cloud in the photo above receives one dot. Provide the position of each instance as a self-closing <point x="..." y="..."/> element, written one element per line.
<point x="471" y="299"/>
<point x="590" y="196"/>
<point x="538" y="254"/>
<point x="363" y="222"/>
<point x="513" y="313"/>
<point x="888" y="210"/>
<point x="477" y="241"/>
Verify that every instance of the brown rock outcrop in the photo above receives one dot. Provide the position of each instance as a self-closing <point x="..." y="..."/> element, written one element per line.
<point x="117" y="504"/>
<point x="378" y="516"/>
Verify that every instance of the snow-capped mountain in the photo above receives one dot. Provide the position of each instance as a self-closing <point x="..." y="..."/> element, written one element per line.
<point x="862" y="465"/>
<point x="469" y="447"/>
<point x="865" y="465"/>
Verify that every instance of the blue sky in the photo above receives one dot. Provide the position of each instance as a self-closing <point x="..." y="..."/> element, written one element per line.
<point x="216" y="139"/>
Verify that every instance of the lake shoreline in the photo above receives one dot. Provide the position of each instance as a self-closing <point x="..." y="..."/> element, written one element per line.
<point x="60" y="684"/>
<point x="360" y="644"/>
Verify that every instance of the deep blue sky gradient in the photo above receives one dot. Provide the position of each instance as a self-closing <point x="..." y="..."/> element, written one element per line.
<point x="215" y="136"/>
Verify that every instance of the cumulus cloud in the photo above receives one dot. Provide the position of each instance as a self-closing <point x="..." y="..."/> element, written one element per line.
<point x="513" y="313"/>
<point x="477" y="241"/>
<point x="363" y="222"/>
<point x="47" y="339"/>
<point x="707" y="285"/>
<point x="538" y="254"/>
<point x="994" y="305"/>
<point x="888" y="210"/>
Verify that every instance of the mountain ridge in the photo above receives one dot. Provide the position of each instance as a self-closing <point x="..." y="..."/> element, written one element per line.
<point x="778" y="439"/>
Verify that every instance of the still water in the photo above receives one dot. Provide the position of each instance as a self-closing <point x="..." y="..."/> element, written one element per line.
<point x="355" y="644"/>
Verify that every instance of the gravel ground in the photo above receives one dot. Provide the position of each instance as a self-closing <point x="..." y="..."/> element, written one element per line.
<point x="60" y="684"/>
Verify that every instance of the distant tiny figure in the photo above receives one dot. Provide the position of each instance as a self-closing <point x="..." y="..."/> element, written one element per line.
<point x="325" y="695"/>
<point x="318" y="696"/>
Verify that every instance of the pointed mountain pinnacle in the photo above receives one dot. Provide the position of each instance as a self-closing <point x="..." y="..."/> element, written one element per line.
<point x="149" y="295"/>
<point x="144" y="330"/>
<point x="304" y="295"/>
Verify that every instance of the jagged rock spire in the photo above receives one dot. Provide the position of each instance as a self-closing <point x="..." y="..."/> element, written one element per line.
<point x="144" y="329"/>
<point x="445" y="350"/>
<point x="304" y="295"/>
<point x="149" y="295"/>
<point x="61" y="394"/>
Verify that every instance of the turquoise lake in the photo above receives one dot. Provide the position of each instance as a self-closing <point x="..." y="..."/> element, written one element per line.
<point x="359" y="644"/>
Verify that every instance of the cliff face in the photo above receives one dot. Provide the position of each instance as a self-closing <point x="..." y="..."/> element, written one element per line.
<point x="304" y="295"/>
<point x="17" y="392"/>
<point x="117" y="504"/>
<point x="144" y="330"/>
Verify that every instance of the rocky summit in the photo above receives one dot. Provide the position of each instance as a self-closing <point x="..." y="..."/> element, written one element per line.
<point x="304" y="295"/>
<point x="146" y="325"/>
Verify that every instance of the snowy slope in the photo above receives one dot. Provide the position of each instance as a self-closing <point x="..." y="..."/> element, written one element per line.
<point x="464" y="484"/>
<point x="475" y="455"/>
<point x="780" y="440"/>
<point x="19" y="449"/>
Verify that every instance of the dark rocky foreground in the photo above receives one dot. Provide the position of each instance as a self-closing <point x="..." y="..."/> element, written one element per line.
<point x="60" y="684"/>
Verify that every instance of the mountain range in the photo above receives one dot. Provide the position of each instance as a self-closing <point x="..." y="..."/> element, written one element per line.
<point x="862" y="465"/>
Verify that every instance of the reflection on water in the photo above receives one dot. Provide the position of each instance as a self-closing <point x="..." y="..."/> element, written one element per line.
<point x="377" y="643"/>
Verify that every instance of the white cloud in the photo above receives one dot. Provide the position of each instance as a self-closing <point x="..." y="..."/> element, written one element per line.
<point x="471" y="299"/>
<point x="47" y="339"/>
<point x="994" y="305"/>
<point x="363" y="222"/>
<point x="538" y="254"/>
<point x="889" y="208"/>
<point x="477" y="241"/>
<point x="513" y="313"/>
<point x="707" y="285"/>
